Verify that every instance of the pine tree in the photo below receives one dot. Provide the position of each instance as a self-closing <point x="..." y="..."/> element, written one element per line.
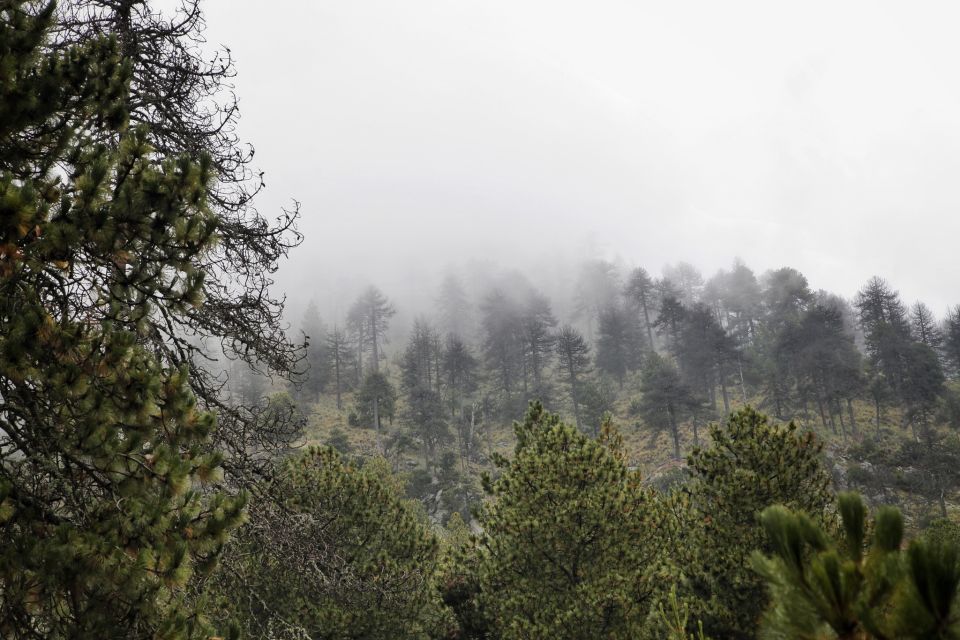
<point x="538" y="341"/>
<point x="665" y="401"/>
<point x="568" y="548"/>
<point x="107" y="487"/>
<point x="459" y="368"/>
<point x="424" y="413"/>
<point x="619" y="343"/>
<point x="862" y="586"/>
<point x="340" y="361"/>
<point x="333" y="550"/>
<point x="640" y="292"/>
<point x="924" y="326"/>
<point x="750" y="465"/>
<point x="573" y="354"/>
<point x="180" y="95"/>
<point x="951" y="340"/>
<point x="502" y="346"/>
<point x="315" y="378"/>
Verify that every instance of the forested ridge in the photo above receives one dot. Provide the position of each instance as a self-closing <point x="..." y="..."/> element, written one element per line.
<point x="671" y="456"/>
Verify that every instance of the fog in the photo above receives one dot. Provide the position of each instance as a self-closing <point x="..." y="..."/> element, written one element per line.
<point x="424" y="136"/>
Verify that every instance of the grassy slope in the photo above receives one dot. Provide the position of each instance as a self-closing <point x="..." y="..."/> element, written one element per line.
<point x="650" y="451"/>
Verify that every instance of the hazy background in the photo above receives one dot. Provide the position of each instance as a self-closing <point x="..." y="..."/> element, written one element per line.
<point x="419" y="135"/>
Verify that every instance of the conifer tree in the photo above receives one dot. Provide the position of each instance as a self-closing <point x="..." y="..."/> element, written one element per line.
<point x="538" y="341"/>
<point x="924" y="326"/>
<point x="640" y="292"/>
<point x="340" y="361"/>
<point x="317" y="362"/>
<point x="107" y="499"/>
<point x="459" y="368"/>
<point x="568" y="549"/>
<point x="180" y="95"/>
<point x="502" y="345"/>
<point x="573" y="354"/>
<point x="424" y="411"/>
<point x="862" y="586"/>
<point x="666" y="401"/>
<point x="332" y="550"/>
<point x="619" y="343"/>
<point x="750" y="465"/>
<point x="951" y="340"/>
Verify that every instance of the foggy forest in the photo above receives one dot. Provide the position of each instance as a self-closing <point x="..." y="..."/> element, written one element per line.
<point x="528" y="339"/>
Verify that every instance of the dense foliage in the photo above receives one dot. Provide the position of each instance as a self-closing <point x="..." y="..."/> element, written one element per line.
<point x="148" y="489"/>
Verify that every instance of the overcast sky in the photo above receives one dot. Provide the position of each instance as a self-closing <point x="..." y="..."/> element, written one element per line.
<point x="418" y="134"/>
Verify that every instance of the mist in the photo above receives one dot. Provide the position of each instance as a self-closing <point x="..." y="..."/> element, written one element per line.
<point x="427" y="134"/>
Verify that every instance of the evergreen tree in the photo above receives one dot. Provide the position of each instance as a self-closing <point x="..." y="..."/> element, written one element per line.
<point x="333" y="550"/>
<point x="371" y="315"/>
<point x="180" y="96"/>
<point x="373" y="311"/>
<point x="883" y="319"/>
<point x="924" y="327"/>
<point x="460" y="372"/>
<point x="826" y="363"/>
<point x="597" y="287"/>
<point x="375" y="399"/>
<point x="538" y="341"/>
<point x="740" y="299"/>
<point x="619" y="343"/>
<point x="785" y="296"/>
<point x="454" y="308"/>
<point x="424" y="411"/>
<point x="750" y="465"/>
<point x="670" y="316"/>
<point x="597" y="398"/>
<point x="861" y="586"/>
<point x="665" y="401"/>
<point x="340" y="359"/>
<point x="103" y="447"/>
<point x="316" y="377"/>
<point x="951" y="340"/>
<point x="502" y="345"/>
<point x="704" y="353"/>
<point x="573" y="354"/>
<point x="639" y="291"/>
<point x="687" y="280"/>
<point x="568" y="549"/>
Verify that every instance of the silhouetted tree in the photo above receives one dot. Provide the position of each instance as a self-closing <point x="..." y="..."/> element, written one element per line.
<point x="597" y="287"/>
<point x="924" y="326"/>
<point x="665" y="401"/>
<point x="454" y="307"/>
<point x="640" y="292"/>
<point x="340" y="361"/>
<point x="537" y="323"/>
<point x="573" y="354"/>
<point x="687" y="280"/>
<point x="619" y="342"/>
<point x="502" y="345"/>
<point x="315" y="378"/>
<point x="951" y="339"/>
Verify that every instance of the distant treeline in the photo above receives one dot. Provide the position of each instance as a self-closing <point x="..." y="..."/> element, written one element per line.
<point x="683" y="347"/>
